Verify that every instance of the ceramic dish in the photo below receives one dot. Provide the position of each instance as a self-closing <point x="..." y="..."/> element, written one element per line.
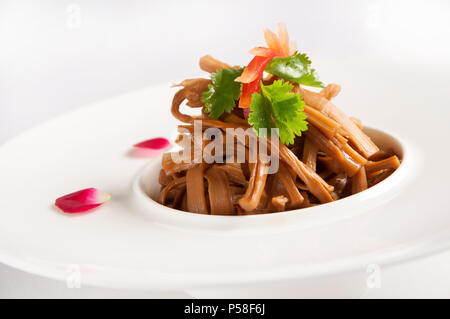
<point x="133" y="242"/>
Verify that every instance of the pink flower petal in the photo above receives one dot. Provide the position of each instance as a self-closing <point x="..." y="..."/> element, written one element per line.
<point x="82" y="200"/>
<point x="262" y="51"/>
<point x="158" y="143"/>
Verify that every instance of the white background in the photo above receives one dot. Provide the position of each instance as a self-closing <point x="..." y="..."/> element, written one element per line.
<point x="56" y="56"/>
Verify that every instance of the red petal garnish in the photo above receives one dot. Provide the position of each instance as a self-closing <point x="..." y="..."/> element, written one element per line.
<point x="82" y="201"/>
<point x="262" y="51"/>
<point x="278" y="45"/>
<point x="255" y="68"/>
<point x="283" y="37"/>
<point x="278" y="42"/>
<point x="248" y="89"/>
<point x="158" y="143"/>
<point x="150" y="148"/>
<point x="272" y="40"/>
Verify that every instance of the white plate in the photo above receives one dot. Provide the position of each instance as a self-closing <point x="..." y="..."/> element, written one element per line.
<point x="118" y="246"/>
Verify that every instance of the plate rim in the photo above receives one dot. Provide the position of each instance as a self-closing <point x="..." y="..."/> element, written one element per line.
<point x="420" y="246"/>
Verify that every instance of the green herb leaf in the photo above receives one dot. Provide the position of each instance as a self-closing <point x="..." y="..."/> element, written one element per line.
<point x="278" y="107"/>
<point x="296" y="68"/>
<point x="222" y="93"/>
<point x="261" y="115"/>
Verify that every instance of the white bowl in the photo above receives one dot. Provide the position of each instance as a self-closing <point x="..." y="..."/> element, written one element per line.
<point x="146" y="189"/>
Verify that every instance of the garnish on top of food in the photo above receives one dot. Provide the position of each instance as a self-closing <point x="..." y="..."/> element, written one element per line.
<point x="319" y="153"/>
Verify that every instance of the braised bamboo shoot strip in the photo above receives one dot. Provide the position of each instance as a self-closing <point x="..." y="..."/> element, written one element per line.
<point x="179" y="194"/>
<point x="374" y="174"/>
<point x="195" y="85"/>
<point x="220" y="196"/>
<point x="172" y="184"/>
<point x="194" y="89"/>
<point x="343" y="132"/>
<point x="339" y="141"/>
<point x="329" y="163"/>
<point x="381" y="155"/>
<point x="171" y="167"/>
<point x="332" y="150"/>
<point x="209" y="64"/>
<point x="279" y="203"/>
<point x="331" y="91"/>
<point x="356" y="157"/>
<point x="306" y="203"/>
<point x="164" y="179"/>
<point x="179" y="97"/>
<point x="308" y="176"/>
<point x="389" y="163"/>
<point x="359" y="181"/>
<point x="310" y="154"/>
<point x="255" y="188"/>
<point x="380" y="177"/>
<point x="234" y="173"/>
<point x="195" y="189"/>
<point x="362" y="142"/>
<point x="326" y="125"/>
<point x="296" y="199"/>
<point x="357" y="122"/>
<point x="316" y="185"/>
